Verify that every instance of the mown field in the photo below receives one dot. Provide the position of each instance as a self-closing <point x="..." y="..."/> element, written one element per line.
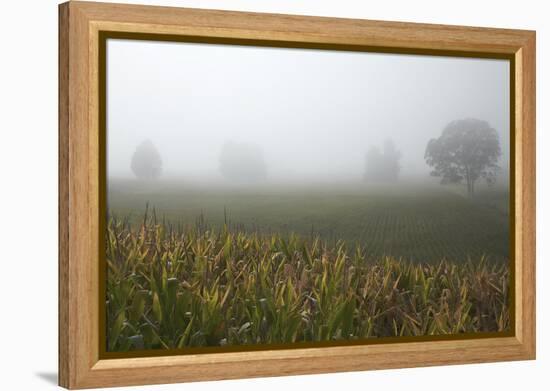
<point x="215" y="267"/>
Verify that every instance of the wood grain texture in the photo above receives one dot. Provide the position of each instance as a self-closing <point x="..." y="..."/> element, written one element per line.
<point x="76" y="263"/>
<point x="63" y="178"/>
<point x="79" y="27"/>
<point x="527" y="164"/>
<point x="294" y="28"/>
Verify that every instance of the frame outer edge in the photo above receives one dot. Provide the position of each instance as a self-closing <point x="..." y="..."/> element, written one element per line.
<point x="63" y="200"/>
<point x="529" y="194"/>
<point x="75" y="361"/>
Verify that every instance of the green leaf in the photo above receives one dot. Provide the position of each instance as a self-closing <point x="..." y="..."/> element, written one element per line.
<point x="138" y="305"/>
<point x="116" y="329"/>
<point x="157" y="309"/>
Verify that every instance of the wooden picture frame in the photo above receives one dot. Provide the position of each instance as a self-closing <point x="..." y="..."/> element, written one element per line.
<point x="81" y="163"/>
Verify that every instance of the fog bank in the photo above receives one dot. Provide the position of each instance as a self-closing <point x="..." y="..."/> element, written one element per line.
<point x="309" y="114"/>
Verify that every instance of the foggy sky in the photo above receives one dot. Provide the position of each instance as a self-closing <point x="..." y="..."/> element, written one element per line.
<point x="313" y="113"/>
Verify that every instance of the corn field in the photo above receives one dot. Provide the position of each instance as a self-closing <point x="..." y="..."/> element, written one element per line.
<point x="176" y="287"/>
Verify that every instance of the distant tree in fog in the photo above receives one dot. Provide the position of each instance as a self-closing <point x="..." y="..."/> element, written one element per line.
<point x="242" y="162"/>
<point x="467" y="150"/>
<point x="374" y="157"/>
<point x="146" y="161"/>
<point x="383" y="166"/>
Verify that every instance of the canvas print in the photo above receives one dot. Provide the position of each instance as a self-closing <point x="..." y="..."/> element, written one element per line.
<point x="280" y="197"/>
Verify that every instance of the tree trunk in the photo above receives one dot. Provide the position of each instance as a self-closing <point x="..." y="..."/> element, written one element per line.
<point x="470" y="184"/>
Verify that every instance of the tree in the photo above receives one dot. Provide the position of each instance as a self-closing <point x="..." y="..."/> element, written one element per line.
<point x="467" y="150"/>
<point x="374" y="157"/>
<point x="241" y="162"/>
<point x="146" y="161"/>
<point x="383" y="166"/>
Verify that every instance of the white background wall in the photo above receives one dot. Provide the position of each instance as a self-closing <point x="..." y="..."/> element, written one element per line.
<point x="28" y="212"/>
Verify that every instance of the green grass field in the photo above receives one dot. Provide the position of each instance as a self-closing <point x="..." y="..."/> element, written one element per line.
<point x="425" y="223"/>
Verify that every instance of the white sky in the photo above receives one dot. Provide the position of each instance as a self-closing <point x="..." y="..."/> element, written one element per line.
<point x="313" y="113"/>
